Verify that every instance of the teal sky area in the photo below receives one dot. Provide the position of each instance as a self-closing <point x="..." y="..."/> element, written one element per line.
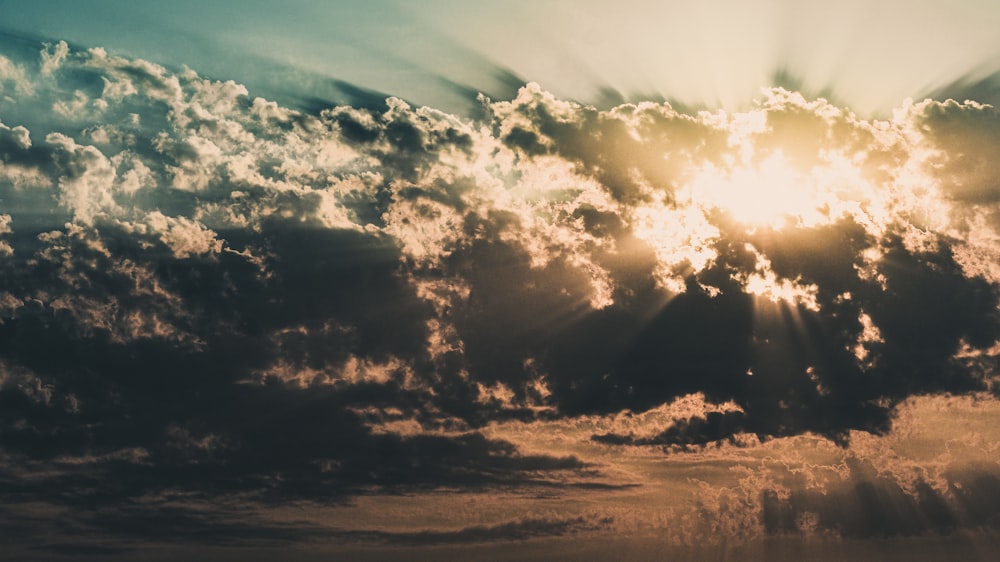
<point x="441" y="53"/>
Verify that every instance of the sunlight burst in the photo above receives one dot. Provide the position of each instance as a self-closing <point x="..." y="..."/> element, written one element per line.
<point x="772" y="193"/>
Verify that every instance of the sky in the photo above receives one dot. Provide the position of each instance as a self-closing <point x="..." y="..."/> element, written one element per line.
<point x="504" y="281"/>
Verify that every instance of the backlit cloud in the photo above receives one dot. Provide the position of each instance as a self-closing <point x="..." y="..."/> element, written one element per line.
<point x="203" y="292"/>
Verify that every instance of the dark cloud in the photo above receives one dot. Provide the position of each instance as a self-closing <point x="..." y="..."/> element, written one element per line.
<point x="193" y="403"/>
<point x="146" y="352"/>
<point x="514" y="530"/>
<point x="207" y="293"/>
<point x="127" y="530"/>
<point x="966" y="136"/>
<point x="318" y="297"/>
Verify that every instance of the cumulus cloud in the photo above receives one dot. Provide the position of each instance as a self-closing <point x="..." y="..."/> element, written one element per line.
<point x="249" y="298"/>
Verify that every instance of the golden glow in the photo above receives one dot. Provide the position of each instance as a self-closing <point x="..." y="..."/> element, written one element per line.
<point x="776" y="193"/>
<point x="764" y="283"/>
<point x="762" y="195"/>
<point x="770" y="190"/>
<point x="681" y="237"/>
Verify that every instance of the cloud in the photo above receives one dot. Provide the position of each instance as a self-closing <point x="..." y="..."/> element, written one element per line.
<point x="514" y="530"/>
<point x="14" y="77"/>
<point x="962" y="136"/>
<point x="205" y="292"/>
<point x="123" y="532"/>
<point x="876" y="508"/>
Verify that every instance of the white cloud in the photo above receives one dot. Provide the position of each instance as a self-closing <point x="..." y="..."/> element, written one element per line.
<point x="13" y="74"/>
<point x="86" y="178"/>
<point x="53" y="56"/>
<point x="184" y="236"/>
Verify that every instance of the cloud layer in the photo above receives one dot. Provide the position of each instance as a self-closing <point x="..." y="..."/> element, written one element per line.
<point x="205" y="292"/>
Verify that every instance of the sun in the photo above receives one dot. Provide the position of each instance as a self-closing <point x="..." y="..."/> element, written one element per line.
<point x="773" y="193"/>
<point x="751" y="190"/>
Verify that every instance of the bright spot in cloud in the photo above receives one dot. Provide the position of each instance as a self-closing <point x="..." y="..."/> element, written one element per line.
<point x="768" y="193"/>
<point x="775" y="192"/>
<point x="681" y="237"/>
<point x="764" y="283"/>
